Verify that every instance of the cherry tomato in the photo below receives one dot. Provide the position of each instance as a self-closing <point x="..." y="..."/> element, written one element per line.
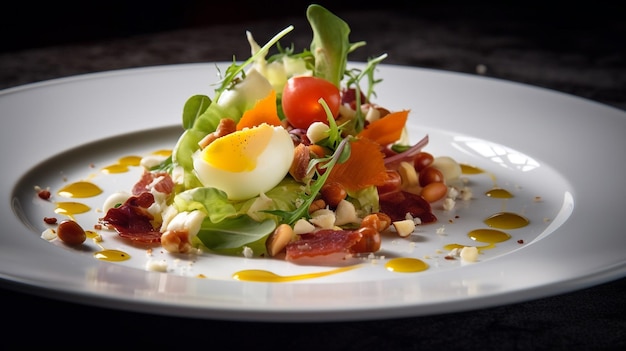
<point x="300" y="100"/>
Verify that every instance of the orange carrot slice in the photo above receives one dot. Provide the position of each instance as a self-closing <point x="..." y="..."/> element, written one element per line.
<point x="386" y="130"/>
<point x="264" y="111"/>
<point x="364" y="167"/>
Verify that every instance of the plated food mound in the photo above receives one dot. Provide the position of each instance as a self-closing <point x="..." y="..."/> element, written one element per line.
<point x="290" y="158"/>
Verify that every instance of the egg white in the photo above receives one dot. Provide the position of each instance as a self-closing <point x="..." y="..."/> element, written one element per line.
<point x="217" y="165"/>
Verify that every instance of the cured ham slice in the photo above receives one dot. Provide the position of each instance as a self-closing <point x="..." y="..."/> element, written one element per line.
<point x="398" y="203"/>
<point x="159" y="181"/>
<point x="132" y="220"/>
<point x="324" y="247"/>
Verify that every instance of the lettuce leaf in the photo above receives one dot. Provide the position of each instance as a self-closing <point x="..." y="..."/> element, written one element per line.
<point x="233" y="234"/>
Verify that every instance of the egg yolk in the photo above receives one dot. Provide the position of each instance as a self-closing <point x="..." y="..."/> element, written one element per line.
<point x="238" y="152"/>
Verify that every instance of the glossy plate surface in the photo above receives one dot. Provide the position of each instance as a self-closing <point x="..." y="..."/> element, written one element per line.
<point x="559" y="155"/>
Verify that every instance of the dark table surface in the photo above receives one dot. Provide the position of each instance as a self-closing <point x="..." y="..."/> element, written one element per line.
<point x="580" y="53"/>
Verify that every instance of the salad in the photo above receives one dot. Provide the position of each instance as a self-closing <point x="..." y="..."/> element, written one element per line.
<point x="290" y="158"/>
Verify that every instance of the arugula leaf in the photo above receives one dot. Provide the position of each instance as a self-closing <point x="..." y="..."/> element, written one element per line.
<point x="354" y="78"/>
<point x="341" y="154"/>
<point x="330" y="45"/>
<point x="234" y="69"/>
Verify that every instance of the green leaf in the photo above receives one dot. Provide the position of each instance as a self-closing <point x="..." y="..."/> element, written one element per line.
<point x="341" y="153"/>
<point x="232" y="235"/>
<point x="209" y="200"/>
<point x="194" y="107"/>
<point x="233" y="71"/>
<point x="330" y="44"/>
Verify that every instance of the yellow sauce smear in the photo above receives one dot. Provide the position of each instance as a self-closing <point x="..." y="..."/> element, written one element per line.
<point x="80" y="189"/>
<point x="488" y="236"/>
<point x="112" y="255"/>
<point x="506" y="220"/>
<point x="259" y="275"/>
<point x="164" y="152"/>
<point x="122" y="164"/>
<point x="406" y="265"/>
<point x="71" y="208"/>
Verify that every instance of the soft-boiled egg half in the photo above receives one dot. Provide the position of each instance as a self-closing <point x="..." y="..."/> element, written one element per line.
<point x="247" y="162"/>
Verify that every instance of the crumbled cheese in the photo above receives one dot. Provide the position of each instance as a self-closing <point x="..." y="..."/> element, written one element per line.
<point x="415" y="220"/>
<point x="324" y="218"/>
<point x="453" y="192"/>
<point x="156" y="265"/>
<point x="372" y="114"/>
<point x="448" y="204"/>
<point x="152" y="160"/>
<point x="178" y="175"/>
<point x="261" y="203"/>
<point x="346" y="213"/>
<point x="466" y="193"/>
<point x="49" y="234"/>
<point x="441" y="230"/>
<point x="303" y="226"/>
<point x="469" y="254"/>
<point x="115" y="199"/>
<point x="189" y="221"/>
<point x="247" y="252"/>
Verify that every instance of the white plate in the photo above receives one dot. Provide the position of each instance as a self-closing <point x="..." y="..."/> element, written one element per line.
<point x="537" y="143"/>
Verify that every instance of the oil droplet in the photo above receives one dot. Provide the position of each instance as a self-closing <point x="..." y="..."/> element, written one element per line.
<point x="499" y="193"/>
<point x="70" y="208"/>
<point x="116" y="168"/>
<point x="506" y="220"/>
<point x="491" y="236"/>
<point x="451" y="247"/>
<point x="467" y="169"/>
<point x="80" y="189"/>
<point x="406" y="265"/>
<point x="91" y="234"/>
<point x="112" y="255"/>
<point x="165" y="153"/>
<point x="130" y="160"/>
<point x="258" y="275"/>
<point x="122" y="165"/>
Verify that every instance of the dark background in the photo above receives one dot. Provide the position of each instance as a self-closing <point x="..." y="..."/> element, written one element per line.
<point x="28" y="25"/>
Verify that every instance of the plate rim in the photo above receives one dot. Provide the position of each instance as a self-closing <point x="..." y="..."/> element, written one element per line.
<point x="607" y="273"/>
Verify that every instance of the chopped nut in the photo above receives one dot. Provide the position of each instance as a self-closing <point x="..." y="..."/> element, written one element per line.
<point x="225" y="127"/>
<point x="277" y="241"/>
<point x="408" y="175"/>
<point x="346" y="213"/>
<point x="404" y="227"/>
<point x="300" y="163"/>
<point x="318" y="204"/>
